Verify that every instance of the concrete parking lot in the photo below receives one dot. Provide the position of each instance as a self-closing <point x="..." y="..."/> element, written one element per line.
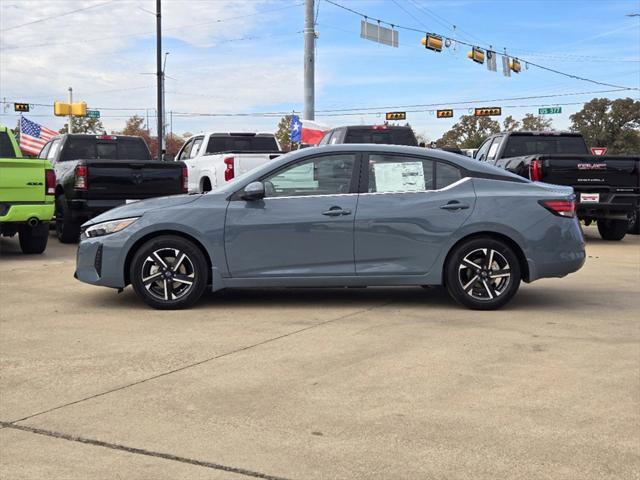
<point x="377" y="383"/>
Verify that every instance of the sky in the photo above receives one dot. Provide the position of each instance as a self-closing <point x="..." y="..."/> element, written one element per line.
<point x="246" y="56"/>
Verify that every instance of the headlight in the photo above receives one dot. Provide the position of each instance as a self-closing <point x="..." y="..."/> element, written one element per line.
<point x="106" y="228"/>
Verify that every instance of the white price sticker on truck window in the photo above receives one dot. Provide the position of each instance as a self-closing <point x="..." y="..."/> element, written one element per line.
<point x="589" y="197"/>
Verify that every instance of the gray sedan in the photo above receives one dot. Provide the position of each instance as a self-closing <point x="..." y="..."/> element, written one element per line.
<point x="343" y="215"/>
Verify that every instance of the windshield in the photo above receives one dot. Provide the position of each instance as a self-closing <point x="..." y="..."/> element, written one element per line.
<point x="241" y="143"/>
<point x="520" y="145"/>
<point x="91" y="148"/>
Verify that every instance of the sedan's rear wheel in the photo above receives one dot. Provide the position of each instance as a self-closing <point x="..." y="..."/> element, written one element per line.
<point x="169" y="272"/>
<point x="483" y="274"/>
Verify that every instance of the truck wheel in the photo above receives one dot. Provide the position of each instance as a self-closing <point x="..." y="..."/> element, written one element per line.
<point x="482" y="273"/>
<point x="634" y="223"/>
<point x="34" y="240"/>
<point x="169" y="273"/>
<point x="67" y="230"/>
<point x="206" y="185"/>
<point x="612" y="229"/>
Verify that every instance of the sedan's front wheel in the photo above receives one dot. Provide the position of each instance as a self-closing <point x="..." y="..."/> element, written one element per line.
<point x="169" y="272"/>
<point x="482" y="274"/>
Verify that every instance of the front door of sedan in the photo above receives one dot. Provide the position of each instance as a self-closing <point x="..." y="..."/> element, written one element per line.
<point x="303" y="226"/>
<point x="407" y="212"/>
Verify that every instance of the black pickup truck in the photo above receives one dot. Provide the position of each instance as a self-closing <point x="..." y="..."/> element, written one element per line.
<point x="95" y="173"/>
<point x="607" y="187"/>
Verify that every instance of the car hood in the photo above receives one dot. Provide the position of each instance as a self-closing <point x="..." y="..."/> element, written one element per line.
<point x="138" y="209"/>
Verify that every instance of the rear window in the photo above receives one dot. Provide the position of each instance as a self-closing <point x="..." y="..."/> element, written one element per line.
<point x="241" y="143"/>
<point x="389" y="136"/>
<point x="519" y="145"/>
<point x="90" y="148"/>
<point x="6" y="148"/>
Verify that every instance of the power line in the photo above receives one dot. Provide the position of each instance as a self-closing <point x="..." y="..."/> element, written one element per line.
<point x="542" y="67"/>
<point x="44" y="19"/>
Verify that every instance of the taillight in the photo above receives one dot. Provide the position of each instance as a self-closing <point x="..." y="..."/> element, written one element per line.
<point x="185" y="180"/>
<point x="81" y="174"/>
<point x="562" y="208"/>
<point x="229" y="172"/>
<point x="49" y="182"/>
<point x="535" y="170"/>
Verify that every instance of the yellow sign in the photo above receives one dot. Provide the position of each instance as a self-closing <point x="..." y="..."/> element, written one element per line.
<point x="444" y="113"/>
<point x="21" y="107"/>
<point x="77" y="109"/>
<point x="396" y="115"/>
<point x="488" y="112"/>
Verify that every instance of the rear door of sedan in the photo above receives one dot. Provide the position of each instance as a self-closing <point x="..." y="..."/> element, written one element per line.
<point x="408" y="208"/>
<point x="303" y="226"/>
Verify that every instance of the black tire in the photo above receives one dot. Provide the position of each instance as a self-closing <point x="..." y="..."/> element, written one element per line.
<point x="158" y="283"/>
<point x="206" y="185"/>
<point x="67" y="229"/>
<point x="634" y="223"/>
<point x="612" y="229"/>
<point x="482" y="273"/>
<point x="34" y="240"/>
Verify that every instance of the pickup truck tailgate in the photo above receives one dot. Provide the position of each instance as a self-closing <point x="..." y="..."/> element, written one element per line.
<point x="248" y="161"/>
<point x="591" y="171"/>
<point x="22" y="179"/>
<point x="132" y="179"/>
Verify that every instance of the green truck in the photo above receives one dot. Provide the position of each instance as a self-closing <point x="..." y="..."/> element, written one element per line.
<point x="27" y="194"/>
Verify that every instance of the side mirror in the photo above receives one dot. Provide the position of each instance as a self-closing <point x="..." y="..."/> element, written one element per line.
<point x="422" y="144"/>
<point x="253" y="191"/>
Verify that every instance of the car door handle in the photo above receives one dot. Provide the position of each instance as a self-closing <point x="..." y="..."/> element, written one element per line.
<point x="454" y="205"/>
<point x="336" y="212"/>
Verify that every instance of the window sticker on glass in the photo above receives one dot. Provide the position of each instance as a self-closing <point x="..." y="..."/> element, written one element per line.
<point x="399" y="177"/>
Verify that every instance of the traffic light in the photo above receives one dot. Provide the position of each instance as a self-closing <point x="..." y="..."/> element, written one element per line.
<point x="515" y="66"/>
<point x="432" y="42"/>
<point x="61" y="109"/>
<point x="21" y="107"/>
<point x="396" y="115"/>
<point x="487" y="112"/>
<point x="476" y="54"/>
<point x="79" y="109"/>
<point x="444" y="113"/>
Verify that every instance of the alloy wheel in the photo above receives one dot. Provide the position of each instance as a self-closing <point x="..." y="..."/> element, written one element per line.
<point x="484" y="274"/>
<point x="168" y="274"/>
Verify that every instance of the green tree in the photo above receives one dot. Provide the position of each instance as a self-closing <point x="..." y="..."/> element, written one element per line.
<point x="510" y="124"/>
<point x="469" y="132"/>
<point x="614" y="124"/>
<point x="84" y="125"/>
<point x="283" y="135"/>
<point x="532" y="122"/>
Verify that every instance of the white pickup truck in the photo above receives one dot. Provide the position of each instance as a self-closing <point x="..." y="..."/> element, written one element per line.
<point x="215" y="158"/>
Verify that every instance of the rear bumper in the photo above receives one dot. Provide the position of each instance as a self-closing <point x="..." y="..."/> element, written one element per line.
<point x="83" y="210"/>
<point x="10" y="213"/>
<point x="612" y="206"/>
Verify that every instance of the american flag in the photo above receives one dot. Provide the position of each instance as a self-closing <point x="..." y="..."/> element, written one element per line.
<point x="33" y="136"/>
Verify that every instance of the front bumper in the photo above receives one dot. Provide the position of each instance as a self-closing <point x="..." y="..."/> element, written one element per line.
<point x="100" y="261"/>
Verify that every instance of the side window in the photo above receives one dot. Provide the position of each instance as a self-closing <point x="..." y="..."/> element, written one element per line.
<point x="186" y="150"/>
<point x="481" y="154"/>
<point x="396" y="173"/>
<point x="493" y="150"/>
<point x="325" y="175"/>
<point x="326" y="138"/>
<point x="53" y="151"/>
<point x="446" y="175"/>
<point x="44" y="151"/>
<point x="195" y="148"/>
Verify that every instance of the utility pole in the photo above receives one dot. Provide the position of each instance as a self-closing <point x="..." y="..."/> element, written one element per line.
<point x="160" y="74"/>
<point x="309" y="61"/>
<point x="70" y="129"/>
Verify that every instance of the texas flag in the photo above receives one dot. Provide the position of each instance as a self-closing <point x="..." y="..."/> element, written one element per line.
<point x="306" y="131"/>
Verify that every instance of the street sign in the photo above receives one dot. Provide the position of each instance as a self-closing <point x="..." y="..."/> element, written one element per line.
<point x="93" y="113"/>
<point x="549" y="110"/>
<point x="377" y="33"/>
<point x="444" y="113"/>
<point x="488" y="112"/>
<point x="21" y="107"/>
<point x="396" y="115"/>
<point x="598" y="151"/>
